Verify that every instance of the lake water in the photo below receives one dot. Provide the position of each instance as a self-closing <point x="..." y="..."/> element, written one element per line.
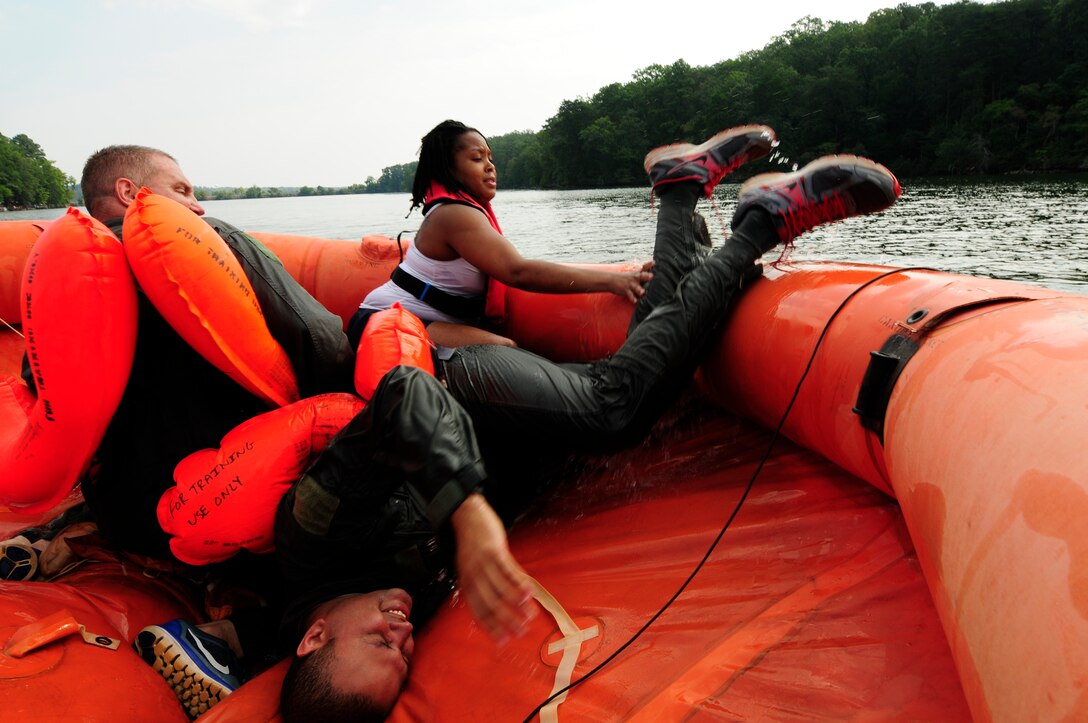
<point x="1034" y="231"/>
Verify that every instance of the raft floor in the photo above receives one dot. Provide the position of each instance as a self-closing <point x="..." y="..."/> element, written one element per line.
<point x="812" y="606"/>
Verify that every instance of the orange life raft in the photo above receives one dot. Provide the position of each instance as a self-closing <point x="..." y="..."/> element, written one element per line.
<point x="913" y="551"/>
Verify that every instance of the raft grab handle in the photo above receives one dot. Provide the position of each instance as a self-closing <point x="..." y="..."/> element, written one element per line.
<point x="50" y="629"/>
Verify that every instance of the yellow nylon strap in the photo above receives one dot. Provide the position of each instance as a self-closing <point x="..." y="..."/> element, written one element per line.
<point x="570" y="644"/>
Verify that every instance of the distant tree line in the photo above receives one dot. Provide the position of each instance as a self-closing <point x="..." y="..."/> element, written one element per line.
<point x="394" y="179"/>
<point x="958" y="89"/>
<point x="27" y="178"/>
<point x="952" y="90"/>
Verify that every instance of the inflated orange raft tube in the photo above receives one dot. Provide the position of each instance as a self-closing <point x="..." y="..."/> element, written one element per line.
<point x="976" y="402"/>
<point x="65" y="645"/>
<point x="825" y="597"/>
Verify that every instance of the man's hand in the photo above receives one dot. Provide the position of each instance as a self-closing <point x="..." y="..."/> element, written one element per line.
<point x="498" y="591"/>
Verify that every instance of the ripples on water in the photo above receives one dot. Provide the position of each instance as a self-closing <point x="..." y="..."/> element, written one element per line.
<point x="1034" y="231"/>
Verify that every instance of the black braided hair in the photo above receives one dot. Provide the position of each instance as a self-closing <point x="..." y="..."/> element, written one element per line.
<point x="436" y="152"/>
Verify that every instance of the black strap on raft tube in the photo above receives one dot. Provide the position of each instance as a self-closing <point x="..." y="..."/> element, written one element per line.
<point x="740" y="503"/>
<point x="885" y="366"/>
<point x="888" y="362"/>
<point x="463" y="307"/>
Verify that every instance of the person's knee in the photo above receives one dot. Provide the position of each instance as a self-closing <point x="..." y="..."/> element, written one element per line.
<point x="619" y="428"/>
<point x="406" y="395"/>
<point x="403" y="379"/>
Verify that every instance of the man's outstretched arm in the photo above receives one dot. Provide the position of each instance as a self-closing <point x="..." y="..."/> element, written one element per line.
<point x="497" y="589"/>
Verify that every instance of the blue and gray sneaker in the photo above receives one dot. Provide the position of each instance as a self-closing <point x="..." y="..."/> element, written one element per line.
<point x="708" y="162"/>
<point x="200" y="668"/>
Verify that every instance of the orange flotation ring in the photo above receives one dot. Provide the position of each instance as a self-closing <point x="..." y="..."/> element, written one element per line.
<point x="225" y="499"/>
<point x="79" y="318"/>
<point x="190" y="275"/>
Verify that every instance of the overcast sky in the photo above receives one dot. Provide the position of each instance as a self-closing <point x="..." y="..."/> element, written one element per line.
<point x="329" y="92"/>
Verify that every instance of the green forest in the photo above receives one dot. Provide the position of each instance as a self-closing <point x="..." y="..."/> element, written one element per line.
<point x="27" y="178"/>
<point x="961" y="89"/>
<point x="929" y="91"/>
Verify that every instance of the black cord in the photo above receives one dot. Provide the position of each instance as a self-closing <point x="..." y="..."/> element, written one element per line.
<point x="740" y="503"/>
<point x="400" y="248"/>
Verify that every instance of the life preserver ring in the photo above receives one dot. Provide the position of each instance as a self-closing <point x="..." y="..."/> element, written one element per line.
<point x="79" y="318"/>
<point x="190" y="275"/>
<point x="225" y="499"/>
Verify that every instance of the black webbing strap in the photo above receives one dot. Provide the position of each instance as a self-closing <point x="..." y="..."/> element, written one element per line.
<point x="463" y="307"/>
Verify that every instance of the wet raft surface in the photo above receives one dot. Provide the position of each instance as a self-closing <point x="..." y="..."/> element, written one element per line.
<point x="813" y="605"/>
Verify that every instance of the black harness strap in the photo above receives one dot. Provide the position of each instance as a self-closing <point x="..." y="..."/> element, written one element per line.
<point x="463" y="307"/>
